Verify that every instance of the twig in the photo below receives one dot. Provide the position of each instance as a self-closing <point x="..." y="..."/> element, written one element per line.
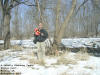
<point x="80" y="6"/>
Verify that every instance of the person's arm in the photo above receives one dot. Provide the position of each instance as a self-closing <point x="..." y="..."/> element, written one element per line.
<point x="35" y="38"/>
<point x="44" y="33"/>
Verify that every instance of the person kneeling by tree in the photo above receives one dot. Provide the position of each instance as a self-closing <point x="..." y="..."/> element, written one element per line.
<point x="40" y="35"/>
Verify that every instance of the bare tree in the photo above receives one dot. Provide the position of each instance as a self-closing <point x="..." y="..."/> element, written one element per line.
<point x="6" y="22"/>
<point x="7" y="5"/>
<point x="57" y="39"/>
<point x="1" y="27"/>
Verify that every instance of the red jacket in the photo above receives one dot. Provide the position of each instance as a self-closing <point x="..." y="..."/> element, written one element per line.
<point x="37" y="32"/>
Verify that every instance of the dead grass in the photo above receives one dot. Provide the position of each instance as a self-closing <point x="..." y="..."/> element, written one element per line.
<point x="89" y="67"/>
<point x="8" y="54"/>
<point x="83" y="50"/>
<point x="17" y="47"/>
<point x="1" y="56"/>
<point x="4" y="54"/>
<point x="80" y="73"/>
<point x="68" y="49"/>
<point x="23" y="57"/>
<point x="32" y="61"/>
<point x="35" y="61"/>
<point x="19" y="55"/>
<point x="65" y="59"/>
<point x="65" y="54"/>
<point x="64" y="73"/>
<point x="70" y="67"/>
<point x="31" y="54"/>
<point x="82" y="56"/>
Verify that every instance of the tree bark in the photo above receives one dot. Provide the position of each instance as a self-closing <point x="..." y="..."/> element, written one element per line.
<point x="56" y="26"/>
<point x="1" y="22"/>
<point x="7" y="31"/>
<point x="63" y="27"/>
<point x="6" y="23"/>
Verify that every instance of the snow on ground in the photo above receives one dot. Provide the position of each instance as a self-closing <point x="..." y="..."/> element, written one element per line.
<point x="75" y="42"/>
<point x="22" y="61"/>
<point x="23" y="66"/>
<point x="81" y="42"/>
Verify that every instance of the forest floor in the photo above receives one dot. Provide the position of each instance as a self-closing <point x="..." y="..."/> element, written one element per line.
<point x="23" y="61"/>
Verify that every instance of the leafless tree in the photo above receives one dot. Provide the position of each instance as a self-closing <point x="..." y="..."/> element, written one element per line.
<point x="60" y="31"/>
<point x="6" y="6"/>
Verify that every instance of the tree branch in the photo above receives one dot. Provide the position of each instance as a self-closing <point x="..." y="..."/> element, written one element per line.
<point x="25" y="3"/>
<point x="80" y="6"/>
<point x="66" y="21"/>
<point x="17" y="2"/>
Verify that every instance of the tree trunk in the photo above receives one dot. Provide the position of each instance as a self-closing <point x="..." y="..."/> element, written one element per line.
<point x="56" y="26"/>
<point x="1" y="21"/>
<point x="1" y="28"/>
<point x="7" y="31"/>
<point x="63" y="27"/>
